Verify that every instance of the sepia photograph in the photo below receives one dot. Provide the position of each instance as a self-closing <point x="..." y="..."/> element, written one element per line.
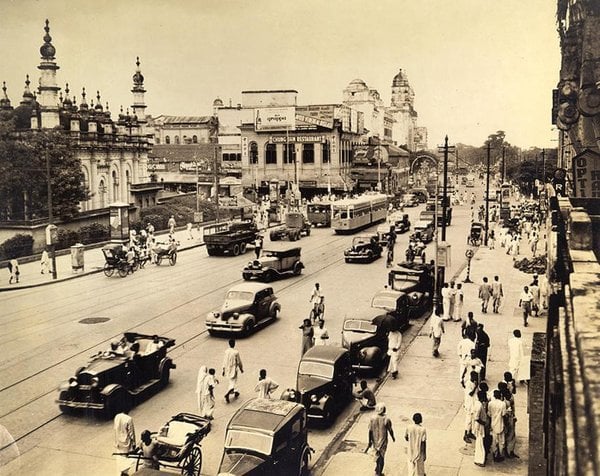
<point x="312" y="238"/>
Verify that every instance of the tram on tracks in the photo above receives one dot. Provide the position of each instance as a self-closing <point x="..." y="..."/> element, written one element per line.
<point x="353" y="214"/>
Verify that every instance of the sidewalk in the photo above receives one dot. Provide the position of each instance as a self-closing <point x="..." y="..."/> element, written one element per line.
<point x="31" y="275"/>
<point x="431" y="386"/>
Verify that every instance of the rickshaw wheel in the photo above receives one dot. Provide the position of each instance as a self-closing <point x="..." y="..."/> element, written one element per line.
<point x="173" y="258"/>
<point x="123" y="270"/>
<point x="158" y="260"/>
<point x="192" y="463"/>
<point x="108" y="270"/>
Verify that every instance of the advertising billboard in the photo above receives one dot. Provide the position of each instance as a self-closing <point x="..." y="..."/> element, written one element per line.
<point x="275" y="118"/>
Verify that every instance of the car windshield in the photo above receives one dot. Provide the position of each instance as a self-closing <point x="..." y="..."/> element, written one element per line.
<point x="248" y="440"/>
<point x="240" y="296"/>
<point x="316" y="369"/>
<point x="403" y="280"/>
<point x="359" y="326"/>
<point x="360" y="240"/>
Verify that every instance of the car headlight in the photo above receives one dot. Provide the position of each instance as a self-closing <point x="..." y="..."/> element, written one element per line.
<point x="73" y="382"/>
<point x="314" y="398"/>
<point x="216" y="314"/>
<point x="236" y="315"/>
<point x="95" y="382"/>
<point x="414" y="297"/>
<point x="346" y="253"/>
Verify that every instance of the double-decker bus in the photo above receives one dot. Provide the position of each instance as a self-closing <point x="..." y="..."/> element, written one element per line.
<point x="319" y="214"/>
<point x="353" y="214"/>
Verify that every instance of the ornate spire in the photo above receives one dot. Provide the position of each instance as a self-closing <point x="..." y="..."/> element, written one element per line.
<point x="47" y="50"/>
<point x="67" y="103"/>
<point x="4" y="101"/>
<point x="138" y="77"/>
<point x="28" y="97"/>
<point x="83" y="105"/>
<point x="98" y="103"/>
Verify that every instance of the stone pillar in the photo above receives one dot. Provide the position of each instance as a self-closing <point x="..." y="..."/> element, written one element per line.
<point x="95" y="199"/>
<point x="123" y="190"/>
<point x="535" y="404"/>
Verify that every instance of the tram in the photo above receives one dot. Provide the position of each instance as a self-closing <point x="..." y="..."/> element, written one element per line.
<point x="353" y="214"/>
<point x="319" y="214"/>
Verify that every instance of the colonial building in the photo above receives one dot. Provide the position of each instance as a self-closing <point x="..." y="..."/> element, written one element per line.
<point x="403" y="111"/>
<point x="113" y="153"/>
<point x="181" y="130"/>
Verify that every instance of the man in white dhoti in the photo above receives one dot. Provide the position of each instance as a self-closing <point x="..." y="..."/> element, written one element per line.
<point x="394" y="343"/>
<point x="515" y="354"/>
<point x="202" y="374"/>
<point x="416" y="451"/>
<point x="496" y="412"/>
<point x="232" y="364"/>
<point x="124" y="440"/>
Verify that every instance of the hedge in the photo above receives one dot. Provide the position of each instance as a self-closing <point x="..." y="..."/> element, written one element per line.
<point x="17" y="246"/>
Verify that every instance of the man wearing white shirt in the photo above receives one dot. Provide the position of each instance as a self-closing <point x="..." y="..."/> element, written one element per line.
<point x="515" y="354"/>
<point x="496" y="411"/>
<point x="437" y="329"/>
<point x="525" y="304"/>
<point x="465" y="345"/>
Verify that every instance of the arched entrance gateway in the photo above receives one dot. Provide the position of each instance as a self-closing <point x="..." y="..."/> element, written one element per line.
<point x="423" y="171"/>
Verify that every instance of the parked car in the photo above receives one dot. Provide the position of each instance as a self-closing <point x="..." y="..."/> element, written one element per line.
<point x="364" y="249"/>
<point x="246" y="306"/>
<point x="295" y="226"/>
<point x="324" y="382"/>
<point x="266" y="437"/>
<point x="366" y="342"/>
<point x="274" y="263"/>
<point x="112" y="382"/>
<point x="409" y="294"/>
<point x="423" y="230"/>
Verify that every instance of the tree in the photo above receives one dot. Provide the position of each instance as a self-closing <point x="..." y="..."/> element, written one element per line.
<point x="23" y="156"/>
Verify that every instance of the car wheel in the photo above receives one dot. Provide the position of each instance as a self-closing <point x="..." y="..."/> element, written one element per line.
<point x="308" y="232"/>
<point x="212" y="333"/>
<point x="108" y="270"/>
<point x="304" y="463"/>
<point x="248" y="326"/>
<point x="242" y="248"/>
<point x="269" y="276"/>
<point x="158" y="260"/>
<point x="165" y="376"/>
<point x="192" y="463"/>
<point x="235" y="250"/>
<point x="246" y="276"/>
<point x="64" y="408"/>
<point x="275" y="312"/>
<point x="210" y="252"/>
<point x="117" y="402"/>
<point x="328" y="416"/>
<point x="297" y="269"/>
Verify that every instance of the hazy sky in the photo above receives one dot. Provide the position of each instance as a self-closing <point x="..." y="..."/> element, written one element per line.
<point x="476" y="66"/>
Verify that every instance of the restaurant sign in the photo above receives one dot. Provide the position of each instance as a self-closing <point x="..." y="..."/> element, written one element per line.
<point x="586" y="174"/>
<point x="296" y="139"/>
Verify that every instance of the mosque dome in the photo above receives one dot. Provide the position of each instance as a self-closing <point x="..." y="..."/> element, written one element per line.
<point x="47" y="50"/>
<point x="400" y="78"/>
<point x="217" y="102"/>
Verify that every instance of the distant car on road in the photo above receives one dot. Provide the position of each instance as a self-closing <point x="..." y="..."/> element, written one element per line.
<point x="275" y="262"/>
<point x="295" y="226"/>
<point x="266" y="437"/>
<point x="112" y="382"/>
<point x="420" y="194"/>
<point x="324" y="382"/>
<point x="409" y="200"/>
<point x="424" y="230"/>
<point x="246" y="306"/>
<point x="364" y="249"/>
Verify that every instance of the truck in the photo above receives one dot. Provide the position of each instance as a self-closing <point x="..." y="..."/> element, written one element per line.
<point x="429" y="211"/>
<point x="229" y="238"/>
<point x="295" y="226"/>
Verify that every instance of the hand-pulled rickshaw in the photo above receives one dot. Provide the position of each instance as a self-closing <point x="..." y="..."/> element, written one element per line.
<point x="474" y="237"/>
<point x="167" y="251"/>
<point x="178" y="443"/>
<point x="116" y="259"/>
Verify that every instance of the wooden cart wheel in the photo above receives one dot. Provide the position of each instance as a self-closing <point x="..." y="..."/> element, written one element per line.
<point x="108" y="270"/>
<point x="192" y="463"/>
<point x="173" y="258"/>
<point x="123" y="270"/>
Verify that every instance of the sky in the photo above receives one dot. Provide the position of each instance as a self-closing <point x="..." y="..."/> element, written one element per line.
<point x="476" y="66"/>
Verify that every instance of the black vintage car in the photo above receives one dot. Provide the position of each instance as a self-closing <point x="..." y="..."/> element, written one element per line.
<point x="266" y="437"/>
<point x="113" y="381"/>
<point x="324" y="382"/>
<point x="367" y="343"/>
<point x="364" y="249"/>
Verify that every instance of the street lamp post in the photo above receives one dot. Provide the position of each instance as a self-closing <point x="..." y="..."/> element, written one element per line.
<point x="50" y="212"/>
<point x="487" y="194"/>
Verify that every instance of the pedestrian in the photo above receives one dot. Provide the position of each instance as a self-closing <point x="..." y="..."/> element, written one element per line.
<point x="308" y="335"/>
<point x="510" y="437"/>
<point x="525" y="304"/>
<point x="543" y="283"/>
<point x="394" y="343"/>
<point x="365" y="396"/>
<point x="459" y="301"/>
<point x="473" y="364"/>
<point x="258" y="244"/>
<point x="534" y="243"/>
<point x="189" y="227"/>
<point x="469" y="327"/>
<point x="446" y="301"/>
<point x="45" y="262"/>
<point x="534" y="289"/>
<point x="124" y="440"/>
<point x="437" y="329"/>
<point x="265" y="385"/>
<point x="202" y="375"/>
<point x="480" y="421"/>
<point x="496" y="412"/>
<point x="390" y="255"/>
<point x="465" y="345"/>
<point x="149" y="448"/>
<point x="150" y="229"/>
<point x="510" y="382"/>
<point x="492" y="240"/>
<point x="515" y="354"/>
<point x="232" y="364"/>
<point x="172" y="224"/>
<point x="497" y="294"/>
<point x="485" y="293"/>
<point x="416" y="452"/>
<point x="470" y="388"/>
<point x="451" y="312"/>
<point x="321" y="335"/>
<point x="13" y="267"/>
<point x="482" y="344"/>
<point x="379" y="427"/>
<point x="208" y="394"/>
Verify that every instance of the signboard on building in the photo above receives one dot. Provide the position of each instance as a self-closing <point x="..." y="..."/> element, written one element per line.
<point x="292" y="139"/>
<point x="586" y="174"/>
<point x="311" y="117"/>
<point x="275" y="118"/>
<point x="244" y="146"/>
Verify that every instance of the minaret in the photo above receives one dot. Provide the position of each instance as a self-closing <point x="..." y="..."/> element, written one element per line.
<point x="48" y="89"/>
<point x="139" y="106"/>
<point x="4" y="100"/>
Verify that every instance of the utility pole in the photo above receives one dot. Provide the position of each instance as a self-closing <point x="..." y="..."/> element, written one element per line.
<point x="197" y="184"/>
<point x="445" y="197"/>
<point x="502" y="175"/>
<point x="487" y="195"/>
<point x="50" y="211"/>
<point x="216" y="182"/>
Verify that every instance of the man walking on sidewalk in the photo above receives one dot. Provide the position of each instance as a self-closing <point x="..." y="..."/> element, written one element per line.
<point x="459" y="301"/>
<point x="232" y="364"/>
<point x="416" y="452"/>
<point x="394" y="343"/>
<point x="497" y="294"/>
<point x="482" y="344"/>
<point x="379" y="427"/>
<point x="446" y="301"/>
<point x="437" y="329"/>
<point x="465" y="345"/>
<point x="525" y="304"/>
<point x="485" y="293"/>
<point x="515" y="354"/>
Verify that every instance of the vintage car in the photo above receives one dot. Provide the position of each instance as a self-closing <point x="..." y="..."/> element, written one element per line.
<point x="246" y="306"/>
<point x="367" y="343"/>
<point x="400" y="223"/>
<point x="112" y="382"/>
<point x="421" y="194"/>
<point x="274" y="263"/>
<point x="409" y="200"/>
<point x="423" y="230"/>
<point x="364" y="249"/>
<point x="266" y="437"/>
<point x="324" y="382"/>
<point x="409" y="293"/>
